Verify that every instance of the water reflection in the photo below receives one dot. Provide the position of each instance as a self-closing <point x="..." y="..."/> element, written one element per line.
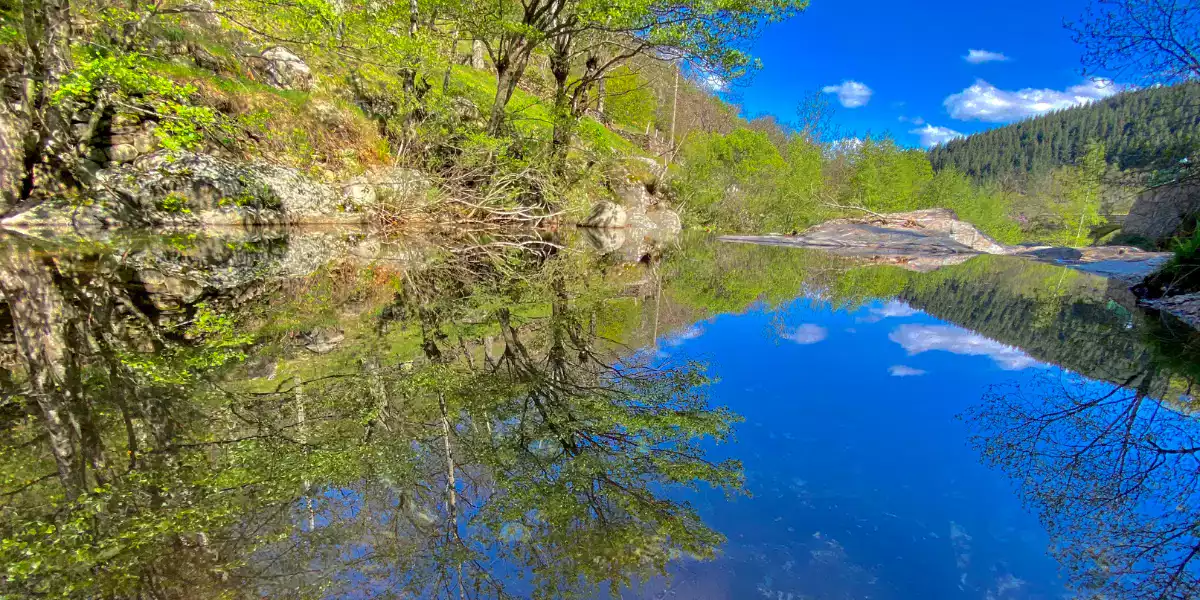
<point x="478" y="438"/>
<point x="331" y="414"/>
<point x="1113" y="474"/>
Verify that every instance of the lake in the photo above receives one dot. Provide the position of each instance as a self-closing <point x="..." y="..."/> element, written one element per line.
<point x="332" y="414"/>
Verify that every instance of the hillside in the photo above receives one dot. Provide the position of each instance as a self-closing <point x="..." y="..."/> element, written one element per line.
<point x="1150" y="128"/>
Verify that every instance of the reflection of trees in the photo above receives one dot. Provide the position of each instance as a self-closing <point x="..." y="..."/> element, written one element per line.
<point x="1114" y="474"/>
<point x="518" y="441"/>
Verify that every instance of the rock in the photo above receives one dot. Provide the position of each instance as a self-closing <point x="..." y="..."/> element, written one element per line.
<point x="860" y="239"/>
<point x="1158" y="213"/>
<point x="924" y="240"/>
<point x="606" y="214"/>
<point x="326" y="112"/>
<point x="667" y="222"/>
<point x="358" y="194"/>
<point x="322" y="341"/>
<point x="635" y="197"/>
<point x="464" y="109"/>
<point x="604" y="240"/>
<point x="262" y="367"/>
<point x="1122" y="263"/>
<point x="141" y="138"/>
<point x="169" y="292"/>
<point x="216" y="190"/>
<point x="287" y="71"/>
<point x="1184" y="306"/>
<point x="121" y="153"/>
<point x="90" y="170"/>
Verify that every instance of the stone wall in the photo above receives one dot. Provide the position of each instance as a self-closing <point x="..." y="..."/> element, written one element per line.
<point x="1158" y="213"/>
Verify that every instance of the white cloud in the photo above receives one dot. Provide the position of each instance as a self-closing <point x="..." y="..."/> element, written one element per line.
<point x="923" y="338"/>
<point x="904" y="371"/>
<point x="976" y="57"/>
<point x="985" y="102"/>
<point x="713" y="83"/>
<point x="683" y="335"/>
<point x="932" y="135"/>
<point x="845" y="146"/>
<point x="807" y="334"/>
<point x="888" y="310"/>
<point x="851" y="94"/>
<point x="913" y="120"/>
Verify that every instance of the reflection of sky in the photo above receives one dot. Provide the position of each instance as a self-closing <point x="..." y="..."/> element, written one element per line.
<point x="863" y="482"/>
<point x="887" y="310"/>
<point x="807" y="333"/>
<point x="923" y="338"/>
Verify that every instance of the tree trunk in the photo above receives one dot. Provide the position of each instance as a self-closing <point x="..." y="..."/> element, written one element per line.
<point x="600" y="99"/>
<point x="452" y="59"/>
<point x="477" y="51"/>
<point x="48" y="142"/>
<point x="13" y="129"/>
<point x="41" y="322"/>
<point x="507" y="77"/>
<point x="560" y="142"/>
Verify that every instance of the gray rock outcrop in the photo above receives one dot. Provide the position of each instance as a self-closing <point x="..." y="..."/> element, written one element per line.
<point x="1158" y="213"/>
<point x="1184" y="306"/>
<point x="194" y="189"/>
<point x="285" y="70"/>
<point x="924" y="240"/>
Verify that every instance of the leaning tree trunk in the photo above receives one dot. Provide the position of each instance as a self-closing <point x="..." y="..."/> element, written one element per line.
<point x="560" y="141"/>
<point x="42" y="327"/>
<point x="13" y="129"/>
<point x="49" y="145"/>
<point x="509" y="70"/>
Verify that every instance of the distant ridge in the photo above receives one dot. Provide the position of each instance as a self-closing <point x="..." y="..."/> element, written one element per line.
<point x="1150" y="128"/>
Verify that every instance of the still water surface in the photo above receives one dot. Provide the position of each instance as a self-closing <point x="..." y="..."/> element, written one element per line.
<point x="332" y="415"/>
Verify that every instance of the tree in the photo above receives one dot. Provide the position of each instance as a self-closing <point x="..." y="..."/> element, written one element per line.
<point x="1080" y="189"/>
<point x="1156" y="40"/>
<point x="599" y="37"/>
<point x="1111" y="472"/>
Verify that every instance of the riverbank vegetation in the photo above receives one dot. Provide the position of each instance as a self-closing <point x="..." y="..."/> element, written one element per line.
<point x="523" y="104"/>
<point x="523" y="112"/>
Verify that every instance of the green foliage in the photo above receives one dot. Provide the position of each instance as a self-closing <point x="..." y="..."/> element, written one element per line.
<point x="629" y="100"/>
<point x="126" y="81"/>
<point x="985" y="207"/>
<point x="741" y="181"/>
<point x="1074" y="202"/>
<point x="885" y="178"/>
<point x="731" y="179"/>
<point x="1181" y="275"/>
<point x="174" y="203"/>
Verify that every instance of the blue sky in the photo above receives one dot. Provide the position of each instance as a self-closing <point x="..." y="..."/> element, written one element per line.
<point x="912" y="57"/>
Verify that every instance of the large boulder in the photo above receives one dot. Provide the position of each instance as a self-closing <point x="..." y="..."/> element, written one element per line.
<point x="924" y="240"/>
<point x="285" y="70"/>
<point x="606" y="214"/>
<point x="1158" y="213"/>
<point x="192" y="189"/>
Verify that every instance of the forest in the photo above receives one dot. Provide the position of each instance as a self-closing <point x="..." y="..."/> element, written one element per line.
<point x="1144" y="129"/>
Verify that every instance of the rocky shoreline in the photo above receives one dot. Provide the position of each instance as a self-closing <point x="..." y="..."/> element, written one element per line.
<point x="926" y="240"/>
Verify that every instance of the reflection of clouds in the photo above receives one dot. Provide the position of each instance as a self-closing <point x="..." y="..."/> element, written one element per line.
<point x="904" y="371"/>
<point x="689" y="333"/>
<point x="921" y="338"/>
<point x="890" y="309"/>
<point x="807" y="333"/>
